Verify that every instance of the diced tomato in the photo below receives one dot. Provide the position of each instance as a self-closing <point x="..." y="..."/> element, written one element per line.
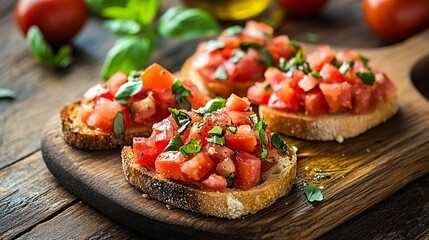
<point x="337" y="95"/>
<point x="315" y="103"/>
<point x="94" y="92"/>
<point x="276" y="103"/>
<point x="144" y="152"/>
<point x="225" y="167"/>
<point x="260" y="92"/>
<point x="239" y="117"/>
<point x="215" y="182"/>
<point x="331" y="74"/>
<point x="104" y="113"/>
<point x="308" y="82"/>
<point x="289" y="97"/>
<point x="157" y="77"/>
<point x="198" y="166"/>
<point x="258" y="29"/>
<point x="279" y="47"/>
<point x="243" y="140"/>
<point x="250" y="67"/>
<point x="115" y="82"/>
<point x="275" y="77"/>
<point x="320" y="57"/>
<point x="144" y="109"/>
<point x="347" y="55"/>
<point x="248" y="171"/>
<point x="383" y="88"/>
<point x="168" y="124"/>
<point x="236" y="103"/>
<point x="218" y="153"/>
<point x="198" y="98"/>
<point x="168" y="164"/>
<point x="272" y="154"/>
<point x="362" y="100"/>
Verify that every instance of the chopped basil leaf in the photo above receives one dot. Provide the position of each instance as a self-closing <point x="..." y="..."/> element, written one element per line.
<point x="174" y="144"/>
<point x="266" y="58"/>
<point x="270" y="160"/>
<point x="201" y="124"/>
<point x="237" y="55"/>
<point x="316" y="74"/>
<point x="220" y="74"/>
<point x="260" y="126"/>
<point x="181" y="93"/>
<point x="217" y="140"/>
<point x="214" y="44"/>
<point x="305" y="67"/>
<point x="193" y="146"/>
<point x="230" y="180"/>
<point x="132" y="110"/>
<point x="211" y="106"/>
<point x="234" y="30"/>
<point x="127" y="90"/>
<point x="182" y="119"/>
<point x="264" y="153"/>
<point x="313" y="193"/>
<point x="282" y="63"/>
<point x="346" y="66"/>
<point x="246" y="45"/>
<point x="367" y="78"/>
<point x="294" y="44"/>
<point x="118" y="125"/>
<point x="231" y="129"/>
<point x="364" y="59"/>
<point x="267" y="87"/>
<point x="254" y="118"/>
<point x="295" y="61"/>
<point x="236" y="152"/>
<point x="134" y="76"/>
<point x="278" y="143"/>
<point x="216" y="130"/>
<point x="335" y="62"/>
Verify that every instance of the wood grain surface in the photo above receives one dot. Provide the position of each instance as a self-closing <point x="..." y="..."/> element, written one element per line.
<point x="32" y="202"/>
<point x="355" y="174"/>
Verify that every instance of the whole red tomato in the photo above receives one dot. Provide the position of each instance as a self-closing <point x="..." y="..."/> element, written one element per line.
<point x="396" y="19"/>
<point x="303" y="7"/>
<point x="58" y="20"/>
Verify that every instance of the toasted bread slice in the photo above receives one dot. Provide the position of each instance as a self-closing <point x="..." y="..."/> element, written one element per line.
<point x="80" y="135"/>
<point x="328" y="127"/>
<point x="232" y="203"/>
<point x="214" y="88"/>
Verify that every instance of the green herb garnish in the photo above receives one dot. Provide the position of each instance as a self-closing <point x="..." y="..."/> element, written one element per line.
<point x="266" y="58"/>
<point x="193" y="146"/>
<point x="270" y="160"/>
<point x="230" y="180"/>
<point x="367" y="78"/>
<point x="237" y="55"/>
<point x="364" y="59"/>
<point x="211" y="106"/>
<point x="335" y="62"/>
<point x="181" y="93"/>
<point x="174" y="144"/>
<point x="231" y="129"/>
<point x="132" y="110"/>
<point x="316" y="74"/>
<point x="216" y="140"/>
<point x="214" y="45"/>
<point x="278" y="143"/>
<point x="254" y="118"/>
<point x="118" y="125"/>
<point x="128" y="89"/>
<point x="346" y="66"/>
<point x="182" y="119"/>
<point x="260" y="127"/>
<point x="220" y="74"/>
<point x="294" y="44"/>
<point x="216" y="130"/>
<point x="313" y="193"/>
<point x="233" y="30"/>
<point x="267" y="87"/>
<point x="246" y="45"/>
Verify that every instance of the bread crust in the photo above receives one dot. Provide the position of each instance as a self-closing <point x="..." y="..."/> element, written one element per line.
<point x="81" y="136"/>
<point x="328" y="127"/>
<point x="215" y="88"/>
<point x="232" y="203"/>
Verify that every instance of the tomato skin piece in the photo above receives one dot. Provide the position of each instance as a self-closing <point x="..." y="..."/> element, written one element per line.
<point x="115" y="82"/>
<point x="144" y="152"/>
<point x="168" y="164"/>
<point x="248" y="171"/>
<point x="215" y="182"/>
<point x="315" y="103"/>
<point x="157" y="77"/>
<point x="243" y="140"/>
<point x="396" y="20"/>
<point x="198" y="166"/>
<point x="58" y="20"/>
<point x="236" y="103"/>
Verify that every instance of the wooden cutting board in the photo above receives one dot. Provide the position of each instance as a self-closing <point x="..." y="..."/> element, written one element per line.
<point x="355" y="174"/>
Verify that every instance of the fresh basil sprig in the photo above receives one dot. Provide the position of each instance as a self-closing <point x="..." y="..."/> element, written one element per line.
<point x="44" y="53"/>
<point x="174" y="144"/>
<point x="129" y="89"/>
<point x="313" y="193"/>
<point x="181" y="93"/>
<point x="182" y="119"/>
<point x="297" y="62"/>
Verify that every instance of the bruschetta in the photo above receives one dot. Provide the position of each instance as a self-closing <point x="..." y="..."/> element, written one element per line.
<point x="237" y="59"/>
<point x="109" y="115"/>
<point x="219" y="160"/>
<point x="325" y="96"/>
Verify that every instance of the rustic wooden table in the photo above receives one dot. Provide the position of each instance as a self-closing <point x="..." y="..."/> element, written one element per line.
<point x="34" y="205"/>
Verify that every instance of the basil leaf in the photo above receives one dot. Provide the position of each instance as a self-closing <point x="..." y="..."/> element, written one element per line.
<point x="118" y="125"/>
<point x="261" y="125"/>
<point x="128" y="53"/>
<point x="63" y="58"/>
<point x="270" y="160"/>
<point x="233" y="30"/>
<point x="144" y="10"/>
<point x="211" y="106"/>
<point x="127" y="90"/>
<point x="367" y="78"/>
<point x="220" y="74"/>
<point x="214" y="45"/>
<point x="266" y="58"/>
<point x="316" y="74"/>
<point x="7" y="93"/>
<point x="305" y="67"/>
<point x="282" y="63"/>
<point x="185" y="23"/>
<point x="313" y="193"/>
<point x="264" y="152"/>
<point x="254" y="118"/>
<point x="122" y="13"/>
<point x="174" y="144"/>
<point x="335" y="62"/>
<point x="216" y="140"/>
<point x="132" y="110"/>
<point x="237" y="55"/>
<point x="346" y="66"/>
<point x="278" y="143"/>
<point x="230" y="180"/>
<point x="182" y="119"/>
<point x="216" y="130"/>
<point x="181" y="92"/>
<point x="246" y="45"/>
<point x="40" y="49"/>
<point x="231" y="129"/>
<point x="122" y="27"/>
<point x="99" y="5"/>
<point x="267" y="87"/>
<point x="364" y="59"/>
<point x="193" y="146"/>
<point x="134" y="76"/>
